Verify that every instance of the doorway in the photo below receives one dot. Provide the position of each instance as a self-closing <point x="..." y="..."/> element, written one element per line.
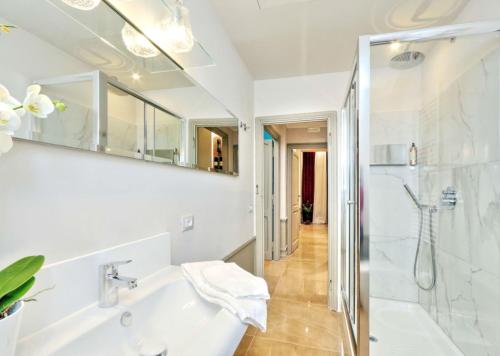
<point x="279" y="220"/>
<point x="302" y="273"/>
<point x="307" y="189"/>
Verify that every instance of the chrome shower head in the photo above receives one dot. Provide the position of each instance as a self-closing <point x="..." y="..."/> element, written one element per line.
<point x="407" y="60"/>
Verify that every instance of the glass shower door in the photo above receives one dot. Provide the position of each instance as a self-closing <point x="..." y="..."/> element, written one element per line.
<point x="350" y="230"/>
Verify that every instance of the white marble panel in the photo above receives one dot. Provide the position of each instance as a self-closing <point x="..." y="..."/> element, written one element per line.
<point x="392" y="212"/>
<point x="393" y="215"/>
<point x="460" y="139"/>
<point x="391" y="268"/>
<point x="469" y="122"/>
<point x="394" y="127"/>
<point x="471" y="231"/>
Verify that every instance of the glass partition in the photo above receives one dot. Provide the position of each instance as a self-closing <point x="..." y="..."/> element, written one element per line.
<point x="434" y="220"/>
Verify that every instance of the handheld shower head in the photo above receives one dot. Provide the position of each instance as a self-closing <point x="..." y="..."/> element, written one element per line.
<point x="412" y="195"/>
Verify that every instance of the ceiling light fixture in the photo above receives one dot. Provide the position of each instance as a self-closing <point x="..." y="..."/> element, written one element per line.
<point x="85" y="5"/>
<point x="136" y="76"/>
<point x="177" y="29"/>
<point x="395" y="45"/>
<point x="137" y="44"/>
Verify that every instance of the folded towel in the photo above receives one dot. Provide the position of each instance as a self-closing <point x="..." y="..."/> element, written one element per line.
<point x="250" y="310"/>
<point x="231" y="278"/>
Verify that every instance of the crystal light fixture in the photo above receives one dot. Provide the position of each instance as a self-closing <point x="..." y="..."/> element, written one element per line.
<point x="86" y="5"/>
<point x="177" y="29"/>
<point x="137" y="44"/>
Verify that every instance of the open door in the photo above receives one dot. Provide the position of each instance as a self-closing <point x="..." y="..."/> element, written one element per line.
<point x="295" y="200"/>
<point x="268" y="200"/>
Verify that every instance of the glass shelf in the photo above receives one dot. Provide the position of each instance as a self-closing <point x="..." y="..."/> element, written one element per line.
<point x="146" y="15"/>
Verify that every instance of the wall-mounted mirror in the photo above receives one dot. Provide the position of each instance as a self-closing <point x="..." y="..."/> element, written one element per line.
<point x="124" y="95"/>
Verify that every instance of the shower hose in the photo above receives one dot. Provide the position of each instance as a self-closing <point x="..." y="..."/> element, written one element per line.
<point x="432" y="283"/>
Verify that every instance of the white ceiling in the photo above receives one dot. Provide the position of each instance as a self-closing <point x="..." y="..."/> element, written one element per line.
<point x="282" y="38"/>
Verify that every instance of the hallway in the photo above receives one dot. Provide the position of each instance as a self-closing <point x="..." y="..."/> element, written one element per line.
<point x="299" y="322"/>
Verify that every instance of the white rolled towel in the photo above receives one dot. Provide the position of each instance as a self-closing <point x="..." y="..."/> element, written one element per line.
<point x="232" y="279"/>
<point x="251" y="311"/>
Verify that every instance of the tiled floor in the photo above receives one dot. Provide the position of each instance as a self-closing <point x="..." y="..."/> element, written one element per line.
<point x="299" y="322"/>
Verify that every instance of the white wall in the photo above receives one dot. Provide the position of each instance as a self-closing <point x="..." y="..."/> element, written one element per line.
<point x="295" y="95"/>
<point x="64" y="203"/>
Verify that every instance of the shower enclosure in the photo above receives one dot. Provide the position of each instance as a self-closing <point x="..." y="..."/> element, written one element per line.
<point x="420" y="245"/>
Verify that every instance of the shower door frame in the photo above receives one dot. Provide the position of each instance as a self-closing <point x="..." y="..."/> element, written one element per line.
<point x="362" y="64"/>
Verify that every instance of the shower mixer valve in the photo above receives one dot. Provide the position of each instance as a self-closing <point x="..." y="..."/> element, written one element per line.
<point x="448" y="198"/>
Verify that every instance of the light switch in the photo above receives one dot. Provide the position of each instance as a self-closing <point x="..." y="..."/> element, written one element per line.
<point x="187" y="222"/>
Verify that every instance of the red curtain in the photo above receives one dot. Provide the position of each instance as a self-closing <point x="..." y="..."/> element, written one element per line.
<point x="308" y="159"/>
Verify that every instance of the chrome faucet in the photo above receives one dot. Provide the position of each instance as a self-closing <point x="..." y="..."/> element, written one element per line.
<point x="110" y="281"/>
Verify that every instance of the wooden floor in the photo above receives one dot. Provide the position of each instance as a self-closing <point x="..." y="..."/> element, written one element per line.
<point x="299" y="322"/>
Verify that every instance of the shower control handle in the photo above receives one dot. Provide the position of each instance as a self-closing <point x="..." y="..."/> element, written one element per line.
<point x="448" y="198"/>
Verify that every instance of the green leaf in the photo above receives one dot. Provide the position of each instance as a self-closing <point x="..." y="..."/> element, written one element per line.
<point x="18" y="273"/>
<point x="12" y="297"/>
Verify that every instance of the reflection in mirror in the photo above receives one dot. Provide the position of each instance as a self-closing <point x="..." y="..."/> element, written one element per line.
<point x="216" y="145"/>
<point x="72" y="127"/>
<point x="125" y="132"/>
<point x="124" y="95"/>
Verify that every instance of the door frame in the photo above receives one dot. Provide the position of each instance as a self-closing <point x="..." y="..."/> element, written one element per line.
<point x="333" y="187"/>
<point x="268" y="199"/>
<point x="289" y="153"/>
<point x="275" y="200"/>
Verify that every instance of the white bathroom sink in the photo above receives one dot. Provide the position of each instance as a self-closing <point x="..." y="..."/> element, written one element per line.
<point x="163" y="312"/>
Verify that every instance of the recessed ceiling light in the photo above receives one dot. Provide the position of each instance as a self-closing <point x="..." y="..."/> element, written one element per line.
<point x="136" y="76"/>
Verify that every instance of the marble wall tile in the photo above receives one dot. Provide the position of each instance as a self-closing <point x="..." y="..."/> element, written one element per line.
<point x="398" y="127"/>
<point x="462" y="305"/>
<point x="393" y="215"/>
<point x="469" y="115"/>
<point x="392" y="212"/>
<point x="391" y="266"/>
<point x="460" y="141"/>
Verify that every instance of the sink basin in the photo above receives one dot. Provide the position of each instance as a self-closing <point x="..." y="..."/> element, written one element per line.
<point x="164" y="312"/>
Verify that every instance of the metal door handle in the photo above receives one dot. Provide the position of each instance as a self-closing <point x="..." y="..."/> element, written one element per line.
<point x="351" y="202"/>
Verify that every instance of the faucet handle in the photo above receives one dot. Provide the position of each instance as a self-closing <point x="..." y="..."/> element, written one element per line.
<point x="118" y="263"/>
<point x="113" y="266"/>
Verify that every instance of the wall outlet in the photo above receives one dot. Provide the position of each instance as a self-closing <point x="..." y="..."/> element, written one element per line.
<point x="187" y="222"/>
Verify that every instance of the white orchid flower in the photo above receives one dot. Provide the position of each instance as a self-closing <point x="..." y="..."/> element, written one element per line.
<point x="5" y="142"/>
<point x="37" y="104"/>
<point x="4" y="93"/>
<point x="9" y="100"/>
<point x="9" y="119"/>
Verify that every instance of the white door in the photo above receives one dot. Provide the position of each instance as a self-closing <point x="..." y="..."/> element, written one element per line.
<point x="268" y="200"/>
<point x="295" y="200"/>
